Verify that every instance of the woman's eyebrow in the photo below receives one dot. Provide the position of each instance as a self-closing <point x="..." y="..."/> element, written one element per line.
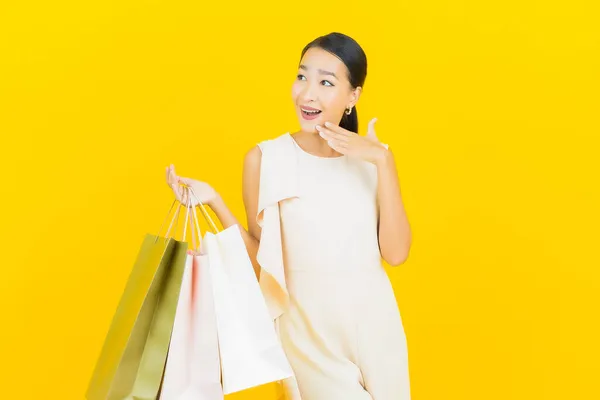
<point x="321" y="71"/>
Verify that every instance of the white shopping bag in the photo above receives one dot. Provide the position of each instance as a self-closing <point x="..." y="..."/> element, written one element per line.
<point x="250" y="351"/>
<point x="193" y="370"/>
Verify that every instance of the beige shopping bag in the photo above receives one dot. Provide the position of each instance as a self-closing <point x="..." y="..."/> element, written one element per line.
<point x="250" y="351"/>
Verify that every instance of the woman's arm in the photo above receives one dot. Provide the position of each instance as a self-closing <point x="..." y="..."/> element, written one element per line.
<point x="250" y="186"/>
<point x="394" y="229"/>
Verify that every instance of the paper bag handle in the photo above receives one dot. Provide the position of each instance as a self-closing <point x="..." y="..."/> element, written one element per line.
<point x="197" y="230"/>
<point x="176" y="218"/>
<point x="191" y="218"/>
<point x="207" y="217"/>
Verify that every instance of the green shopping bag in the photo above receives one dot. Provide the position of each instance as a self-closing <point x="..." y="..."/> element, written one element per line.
<point x="133" y="357"/>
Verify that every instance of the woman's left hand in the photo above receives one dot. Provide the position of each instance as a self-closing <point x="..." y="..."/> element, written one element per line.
<point x="367" y="148"/>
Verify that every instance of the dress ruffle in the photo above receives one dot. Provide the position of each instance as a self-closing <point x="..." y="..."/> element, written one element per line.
<point x="278" y="182"/>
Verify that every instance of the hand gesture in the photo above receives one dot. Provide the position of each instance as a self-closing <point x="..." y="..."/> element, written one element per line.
<point x="367" y="148"/>
<point x="204" y="192"/>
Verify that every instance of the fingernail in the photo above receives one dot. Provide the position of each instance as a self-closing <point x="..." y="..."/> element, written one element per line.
<point x="318" y="127"/>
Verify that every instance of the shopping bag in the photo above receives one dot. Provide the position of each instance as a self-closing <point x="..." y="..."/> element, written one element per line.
<point x="249" y="349"/>
<point x="131" y="361"/>
<point x="193" y="370"/>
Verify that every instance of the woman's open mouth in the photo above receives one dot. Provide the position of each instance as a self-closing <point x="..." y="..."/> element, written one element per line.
<point x="309" y="114"/>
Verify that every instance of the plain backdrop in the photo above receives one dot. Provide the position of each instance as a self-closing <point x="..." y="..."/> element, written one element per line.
<point x="491" y="108"/>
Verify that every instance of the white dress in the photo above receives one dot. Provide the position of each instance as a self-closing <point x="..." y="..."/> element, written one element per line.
<point x="339" y="325"/>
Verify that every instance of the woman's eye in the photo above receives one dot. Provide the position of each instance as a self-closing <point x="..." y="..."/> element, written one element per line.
<point x="300" y="77"/>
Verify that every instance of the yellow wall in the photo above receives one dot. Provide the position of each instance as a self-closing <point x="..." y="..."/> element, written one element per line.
<point x="491" y="107"/>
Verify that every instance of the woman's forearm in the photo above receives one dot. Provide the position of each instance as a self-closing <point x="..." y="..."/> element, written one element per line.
<point x="394" y="228"/>
<point x="227" y="220"/>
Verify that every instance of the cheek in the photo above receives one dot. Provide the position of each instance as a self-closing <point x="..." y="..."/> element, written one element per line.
<point x="332" y="100"/>
<point x="295" y="90"/>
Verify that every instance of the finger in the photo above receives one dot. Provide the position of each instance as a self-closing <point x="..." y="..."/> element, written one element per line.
<point x="188" y="182"/>
<point x="338" y="146"/>
<point x="185" y="181"/>
<point x="337" y="149"/>
<point x="173" y="173"/>
<point x="371" y="128"/>
<point x="329" y="134"/>
<point x="181" y="194"/>
<point x="174" y="176"/>
<point x="171" y="178"/>
<point x="338" y="129"/>
<point x="326" y="135"/>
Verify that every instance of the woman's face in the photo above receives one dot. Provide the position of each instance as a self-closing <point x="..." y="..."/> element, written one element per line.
<point x="322" y="84"/>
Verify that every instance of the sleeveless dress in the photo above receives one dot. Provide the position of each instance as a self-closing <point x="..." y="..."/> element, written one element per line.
<point x="334" y="307"/>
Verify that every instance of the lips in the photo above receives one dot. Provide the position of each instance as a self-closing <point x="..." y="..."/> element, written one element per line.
<point x="309" y="108"/>
<point x="309" y="113"/>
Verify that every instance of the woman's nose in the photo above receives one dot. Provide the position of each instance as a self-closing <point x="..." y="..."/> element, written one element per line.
<point x="309" y="93"/>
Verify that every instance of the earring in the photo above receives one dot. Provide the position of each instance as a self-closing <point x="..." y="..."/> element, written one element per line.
<point x="348" y="111"/>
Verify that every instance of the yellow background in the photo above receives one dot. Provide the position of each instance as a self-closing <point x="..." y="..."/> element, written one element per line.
<point x="491" y="108"/>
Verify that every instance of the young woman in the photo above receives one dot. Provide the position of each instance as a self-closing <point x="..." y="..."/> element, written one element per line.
<point x="323" y="208"/>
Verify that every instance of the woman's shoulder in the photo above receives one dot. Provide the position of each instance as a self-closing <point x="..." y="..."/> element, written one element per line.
<point x="275" y="141"/>
<point x="271" y="147"/>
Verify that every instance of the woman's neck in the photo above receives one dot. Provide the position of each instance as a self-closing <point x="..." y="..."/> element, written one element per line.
<point x="312" y="143"/>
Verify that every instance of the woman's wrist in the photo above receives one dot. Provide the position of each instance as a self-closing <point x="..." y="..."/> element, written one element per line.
<point x="215" y="202"/>
<point x="384" y="157"/>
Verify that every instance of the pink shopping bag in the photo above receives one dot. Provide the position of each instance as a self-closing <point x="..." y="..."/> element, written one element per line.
<point x="193" y="368"/>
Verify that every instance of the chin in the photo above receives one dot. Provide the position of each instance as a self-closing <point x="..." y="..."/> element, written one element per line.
<point x="309" y="126"/>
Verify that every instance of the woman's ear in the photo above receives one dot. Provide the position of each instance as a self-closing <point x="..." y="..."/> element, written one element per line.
<point x="354" y="96"/>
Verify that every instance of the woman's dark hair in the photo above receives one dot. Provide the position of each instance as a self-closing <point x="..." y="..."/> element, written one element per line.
<point x="352" y="55"/>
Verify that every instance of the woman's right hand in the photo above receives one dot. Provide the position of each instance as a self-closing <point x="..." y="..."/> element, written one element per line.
<point x="205" y="193"/>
